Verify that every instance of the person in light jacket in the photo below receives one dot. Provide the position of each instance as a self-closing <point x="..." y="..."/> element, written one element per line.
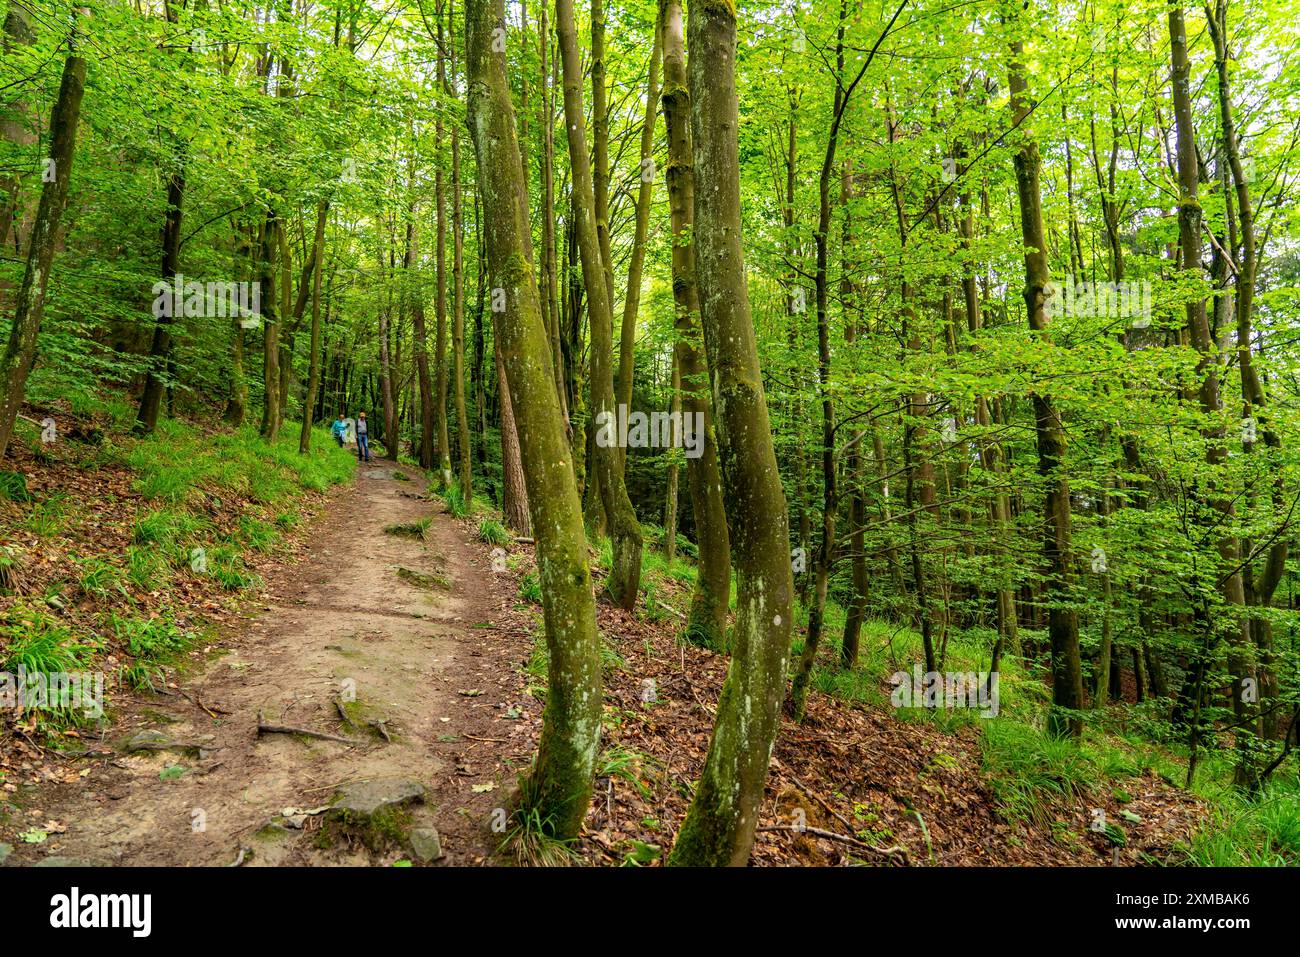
<point x="363" y="438"/>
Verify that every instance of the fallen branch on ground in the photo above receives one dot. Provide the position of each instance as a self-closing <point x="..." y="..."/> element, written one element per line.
<point x="886" y="852"/>
<point x="264" y="728"/>
<point x="198" y="703"/>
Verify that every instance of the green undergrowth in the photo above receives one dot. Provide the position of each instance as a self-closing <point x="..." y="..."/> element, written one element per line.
<point x="209" y="501"/>
<point x="454" y="498"/>
<point x="1035" y="779"/>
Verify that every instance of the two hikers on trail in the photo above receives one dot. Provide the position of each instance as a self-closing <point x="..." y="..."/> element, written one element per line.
<point x="341" y="427"/>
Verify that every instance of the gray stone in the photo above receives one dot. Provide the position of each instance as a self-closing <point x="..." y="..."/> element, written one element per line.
<point x="367" y="797"/>
<point x="153" y="740"/>
<point x="148" y="740"/>
<point x="425" y="843"/>
<point x="5" y="851"/>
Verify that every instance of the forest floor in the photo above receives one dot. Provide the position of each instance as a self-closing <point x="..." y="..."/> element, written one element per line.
<point x="430" y="664"/>
<point x="392" y="622"/>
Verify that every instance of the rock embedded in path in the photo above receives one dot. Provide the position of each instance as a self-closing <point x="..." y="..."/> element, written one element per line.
<point x="148" y="740"/>
<point x="151" y="739"/>
<point x="366" y="797"/>
<point x="425" y="843"/>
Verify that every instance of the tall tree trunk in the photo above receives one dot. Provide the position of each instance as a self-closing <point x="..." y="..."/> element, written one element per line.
<point x="30" y="305"/>
<point x="157" y="379"/>
<point x="600" y="133"/>
<point x="830" y="501"/>
<point x="794" y="309"/>
<point x="849" y="297"/>
<point x="1063" y="623"/>
<point x="1234" y="625"/>
<point x="480" y="346"/>
<point x="421" y="344"/>
<point x="670" y="486"/>
<point x="706" y="624"/>
<point x="550" y="285"/>
<point x="559" y="788"/>
<point x="391" y="425"/>
<point x="1259" y="590"/>
<point x="645" y="193"/>
<point x="440" y="347"/>
<point x="271" y="314"/>
<point x="15" y="127"/>
<point x="237" y="400"/>
<point x="313" y="373"/>
<point x="625" y="573"/>
<point x="458" y="310"/>
<point x="514" y="491"/>
<point x="719" y="825"/>
<point x="160" y="350"/>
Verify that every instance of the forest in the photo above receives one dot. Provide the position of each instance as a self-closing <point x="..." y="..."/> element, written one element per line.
<point x="655" y="432"/>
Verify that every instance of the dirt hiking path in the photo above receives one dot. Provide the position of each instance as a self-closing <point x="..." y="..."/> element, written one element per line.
<point x="399" y="624"/>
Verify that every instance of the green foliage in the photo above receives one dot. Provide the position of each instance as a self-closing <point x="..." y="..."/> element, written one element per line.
<point x="527" y="840"/>
<point x="530" y="588"/>
<point x="13" y="486"/>
<point x="1035" y="777"/>
<point x="455" y="500"/>
<point x="30" y="638"/>
<point x="1264" y="832"/>
<point x="149" y="638"/>
<point x="492" y="532"/>
<point x="99" y="578"/>
<point x="49" y="517"/>
<point x="617" y="761"/>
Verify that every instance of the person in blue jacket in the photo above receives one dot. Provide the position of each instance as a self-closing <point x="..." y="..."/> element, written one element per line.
<point x="339" y="429"/>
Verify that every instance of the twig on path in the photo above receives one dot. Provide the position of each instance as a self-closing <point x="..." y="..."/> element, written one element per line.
<point x="88" y="753"/>
<point x="264" y="728"/>
<point x="380" y="725"/>
<point x="343" y="713"/>
<point x="492" y="740"/>
<point x="198" y="702"/>
<point x="886" y="852"/>
<point x="240" y="859"/>
<point x="820" y="800"/>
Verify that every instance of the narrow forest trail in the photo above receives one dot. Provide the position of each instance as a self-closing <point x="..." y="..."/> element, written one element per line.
<point x="400" y="621"/>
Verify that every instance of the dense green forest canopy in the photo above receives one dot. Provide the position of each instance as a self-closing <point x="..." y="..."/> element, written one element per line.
<point x="988" y="312"/>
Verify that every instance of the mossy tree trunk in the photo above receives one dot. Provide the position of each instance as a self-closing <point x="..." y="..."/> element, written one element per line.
<point x="16" y="363"/>
<point x="440" y="338"/>
<point x="466" y="472"/>
<point x="636" y="268"/>
<point x="559" y="787"/>
<point x="625" y="573"/>
<point x="719" y="825"/>
<point x="706" y="623"/>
